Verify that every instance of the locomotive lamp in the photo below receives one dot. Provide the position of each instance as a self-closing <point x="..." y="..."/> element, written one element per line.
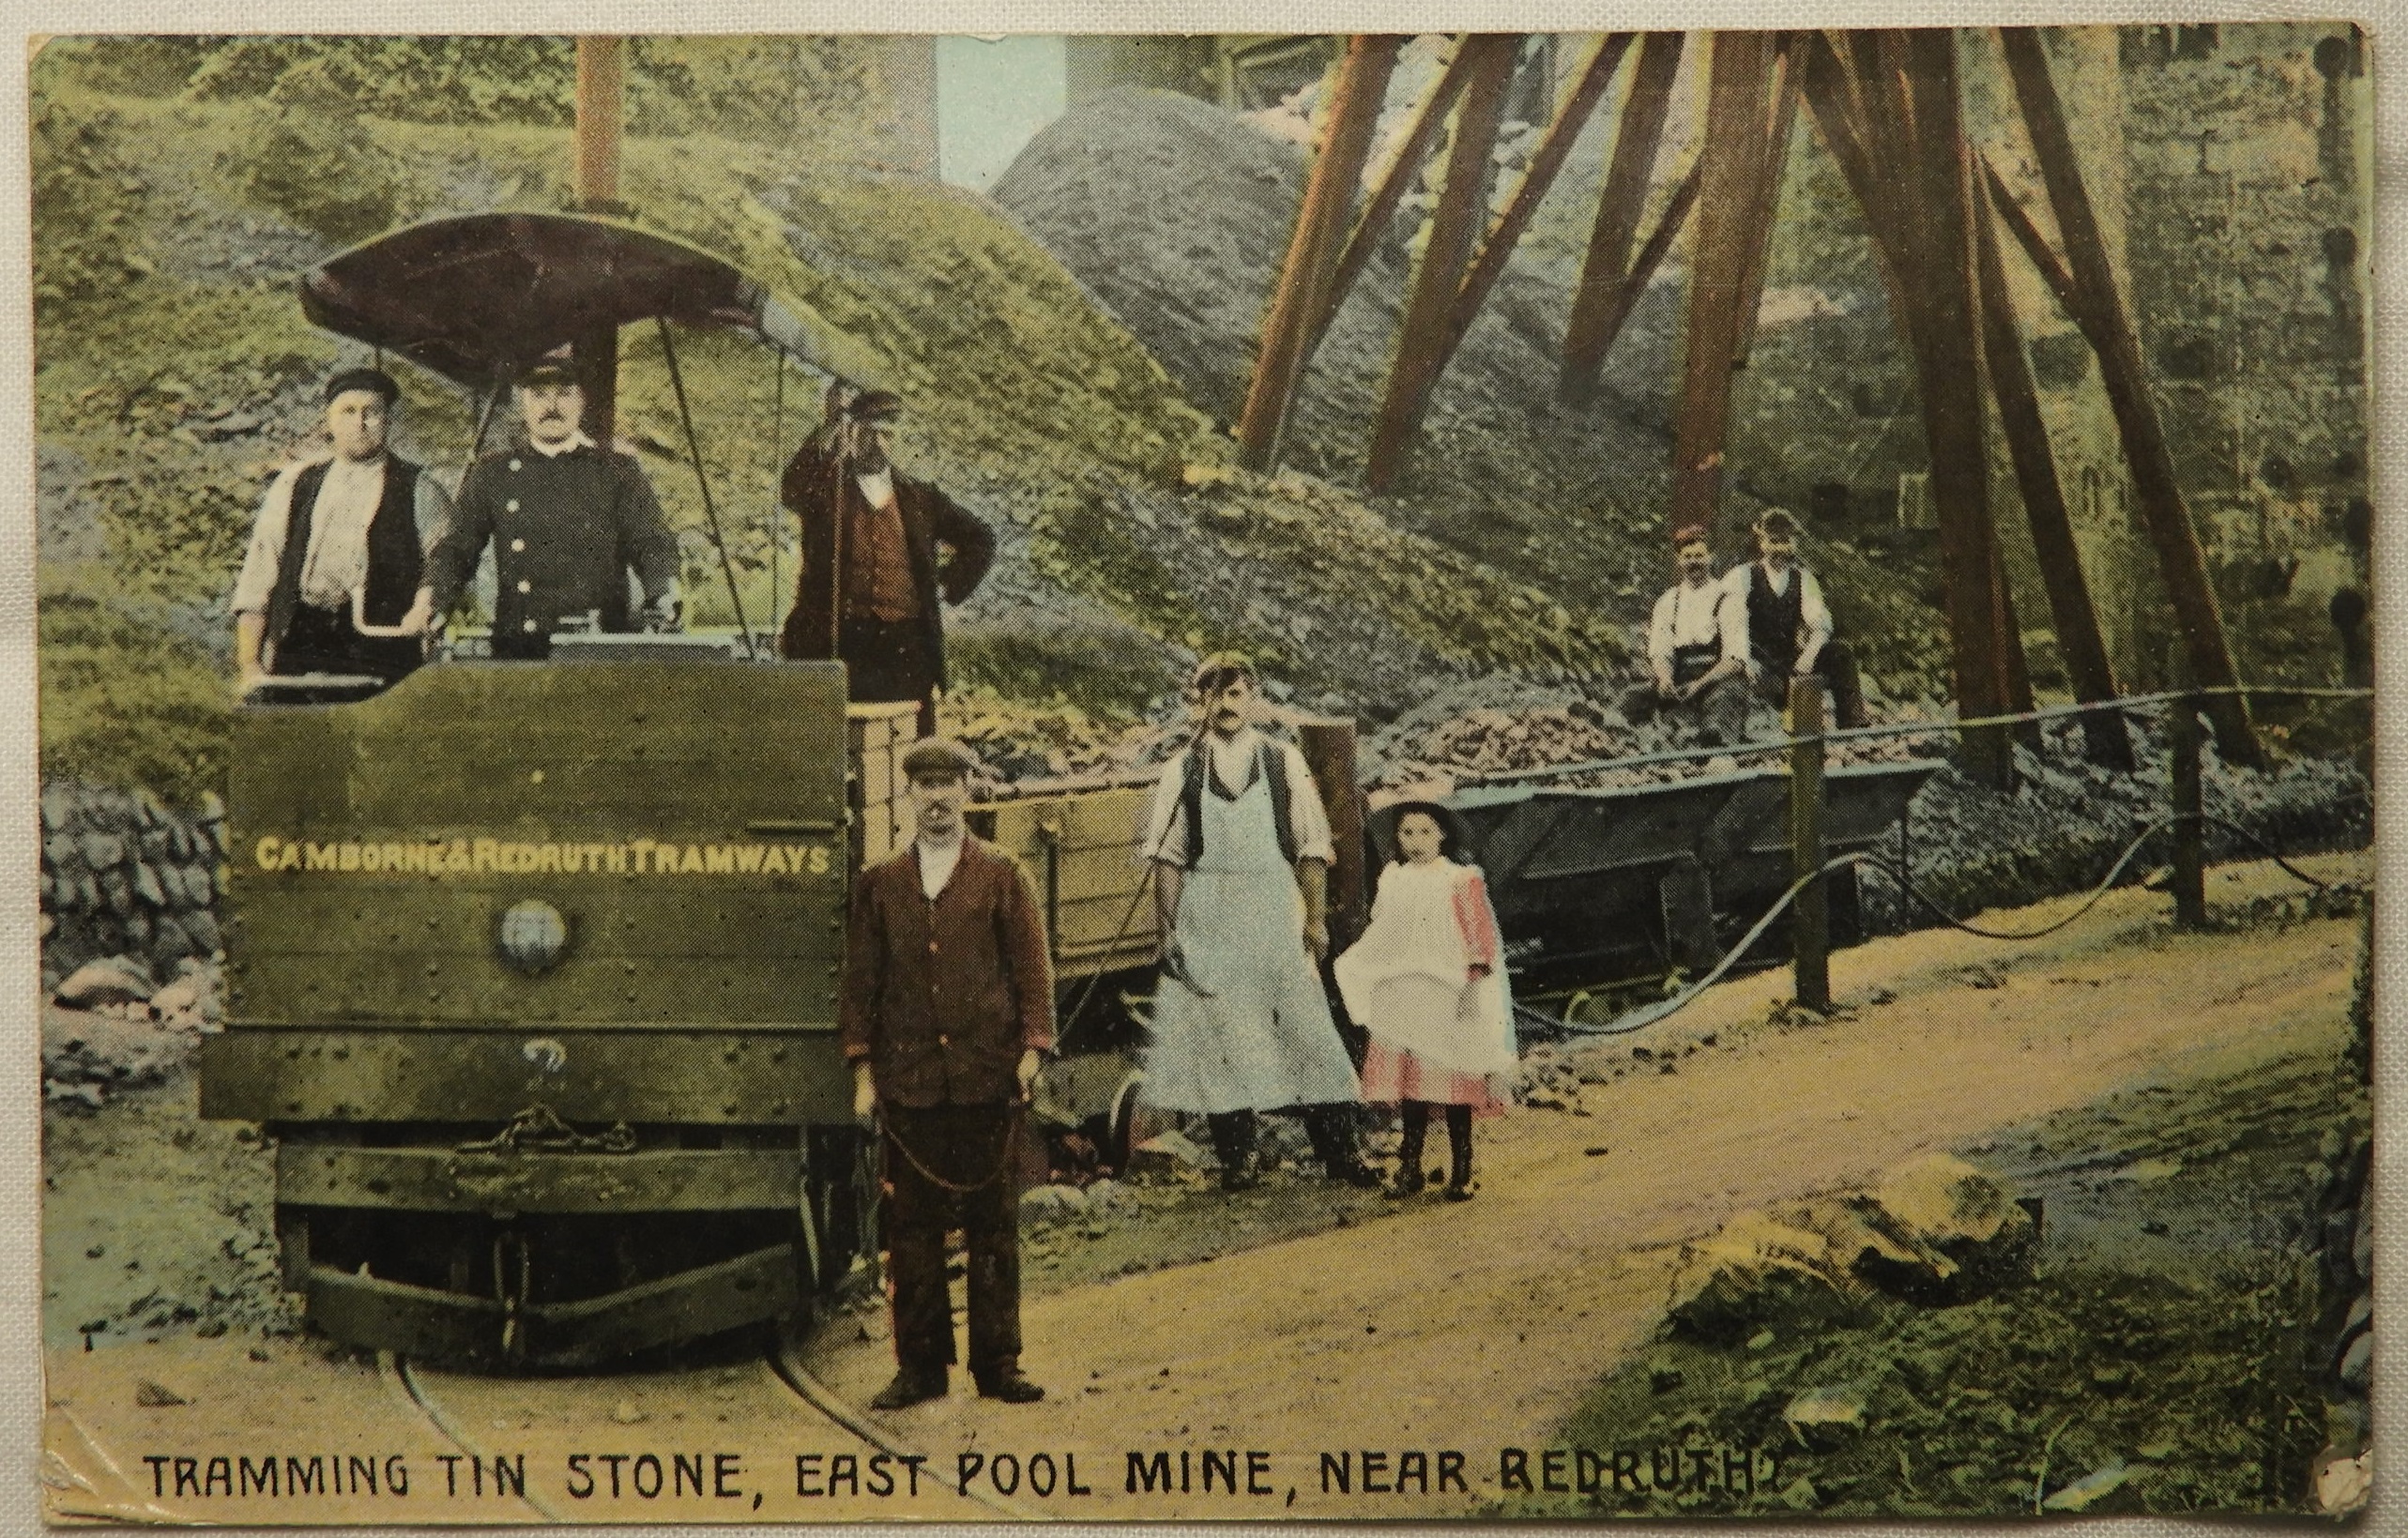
<point x="531" y="935"/>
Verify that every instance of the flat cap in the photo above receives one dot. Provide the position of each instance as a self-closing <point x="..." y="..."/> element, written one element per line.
<point x="557" y="366"/>
<point x="1220" y="669"/>
<point x="877" y="405"/>
<point x="1780" y="522"/>
<point x="376" y="381"/>
<point x="940" y="758"/>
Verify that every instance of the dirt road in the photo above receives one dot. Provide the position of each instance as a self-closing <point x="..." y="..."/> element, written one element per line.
<point x="1478" y="1325"/>
<point x="1430" y="1326"/>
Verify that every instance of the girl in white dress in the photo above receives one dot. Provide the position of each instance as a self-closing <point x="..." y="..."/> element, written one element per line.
<point x="1427" y="981"/>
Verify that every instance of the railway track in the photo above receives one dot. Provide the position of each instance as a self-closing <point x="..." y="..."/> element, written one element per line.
<point x="501" y="1427"/>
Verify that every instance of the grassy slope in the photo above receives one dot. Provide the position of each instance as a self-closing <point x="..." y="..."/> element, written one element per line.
<point x="1023" y="390"/>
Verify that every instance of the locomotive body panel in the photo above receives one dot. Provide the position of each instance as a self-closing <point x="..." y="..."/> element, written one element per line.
<point x="610" y="845"/>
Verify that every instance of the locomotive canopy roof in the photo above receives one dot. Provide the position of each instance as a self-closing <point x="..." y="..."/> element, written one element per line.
<point x="477" y="297"/>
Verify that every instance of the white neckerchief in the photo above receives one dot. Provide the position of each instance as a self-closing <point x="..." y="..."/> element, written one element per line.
<point x="1777" y="582"/>
<point x="937" y="862"/>
<point x="575" y="440"/>
<point x="877" y="488"/>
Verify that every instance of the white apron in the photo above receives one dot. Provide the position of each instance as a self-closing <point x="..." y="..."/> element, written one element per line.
<point x="1264" y="1040"/>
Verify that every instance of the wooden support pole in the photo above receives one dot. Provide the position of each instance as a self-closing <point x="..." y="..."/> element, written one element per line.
<point x="1603" y="300"/>
<point x="1498" y="249"/>
<point x="1380" y="211"/>
<point x="1728" y="222"/>
<point x="2189" y="829"/>
<point x="601" y="113"/>
<point x="1329" y="194"/>
<point x="2070" y="610"/>
<point x="1915" y="108"/>
<point x="1768" y="192"/>
<point x="1421" y="343"/>
<point x="2102" y="317"/>
<point x="1810" y="914"/>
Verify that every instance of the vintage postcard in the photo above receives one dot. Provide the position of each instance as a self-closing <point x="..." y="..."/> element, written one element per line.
<point x="1159" y="777"/>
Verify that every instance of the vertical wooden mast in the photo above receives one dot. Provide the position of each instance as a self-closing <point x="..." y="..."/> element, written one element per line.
<point x="602" y="110"/>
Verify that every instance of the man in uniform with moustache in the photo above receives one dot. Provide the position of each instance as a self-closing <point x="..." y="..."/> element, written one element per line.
<point x="568" y="520"/>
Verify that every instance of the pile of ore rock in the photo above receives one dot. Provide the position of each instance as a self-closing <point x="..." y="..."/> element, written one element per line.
<point x="123" y="875"/>
<point x="111" y="1029"/>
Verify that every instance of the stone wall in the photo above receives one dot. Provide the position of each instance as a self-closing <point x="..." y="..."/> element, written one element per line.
<point x="122" y="874"/>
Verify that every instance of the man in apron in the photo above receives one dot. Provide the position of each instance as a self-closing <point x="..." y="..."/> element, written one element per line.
<point x="1240" y="849"/>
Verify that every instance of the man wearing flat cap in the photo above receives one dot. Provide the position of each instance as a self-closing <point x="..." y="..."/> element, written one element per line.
<point x="1697" y="649"/>
<point x="568" y="520"/>
<point x="880" y="548"/>
<point x="948" y="1003"/>
<point x="1240" y="848"/>
<point x="340" y="539"/>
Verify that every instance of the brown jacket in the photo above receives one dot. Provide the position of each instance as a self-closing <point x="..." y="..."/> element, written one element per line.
<point x="825" y="497"/>
<point x="942" y="998"/>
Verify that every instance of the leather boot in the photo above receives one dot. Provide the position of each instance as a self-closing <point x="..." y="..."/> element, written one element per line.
<point x="1459" y="1136"/>
<point x="1332" y="1134"/>
<point x="1410" y="1179"/>
<point x="1233" y="1144"/>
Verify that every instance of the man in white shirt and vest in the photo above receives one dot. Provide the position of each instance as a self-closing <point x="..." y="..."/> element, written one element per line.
<point x="1697" y="651"/>
<point x="341" y="538"/>
<point x="1789" y="625"/>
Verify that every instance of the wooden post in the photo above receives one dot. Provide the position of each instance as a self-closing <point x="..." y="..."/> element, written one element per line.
<point x="2103" y="319"/>
<point x="601" y="113"/>
<point x="2189" y="830"/>
<point x="1498" y="249"/>
<point x="1810" y="914"/>
<point x="2044" y="500"/>
<point x="1600" y="305"/>
<point x="1329" y="194"/>
<point x="1326" y="743"/>
<point x="1787" y="61"/>
<point x="1728" y="222"/>
<point x="1462" y="208"/>
<point x="1381" y="209"/>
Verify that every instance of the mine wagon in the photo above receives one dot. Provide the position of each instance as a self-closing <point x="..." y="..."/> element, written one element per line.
<point x="1598" y="885"/>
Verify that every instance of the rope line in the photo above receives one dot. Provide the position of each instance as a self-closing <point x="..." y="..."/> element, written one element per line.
<point x="2128" y="702"/>
<point x="1648" y="1014"/>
